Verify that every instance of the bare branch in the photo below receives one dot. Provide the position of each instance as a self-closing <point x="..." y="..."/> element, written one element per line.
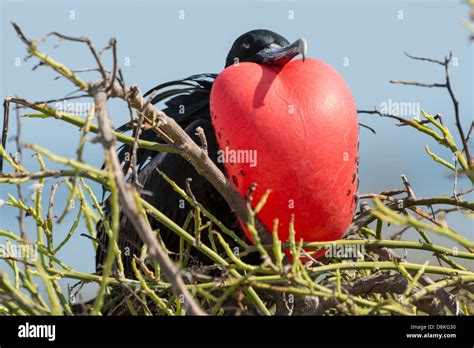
<point x="410" y="192"/>
<point x="113" y="44"/>
<point x="419" y="84"/>
<point x="6" y="113"/>
<point x="424" y="59"/>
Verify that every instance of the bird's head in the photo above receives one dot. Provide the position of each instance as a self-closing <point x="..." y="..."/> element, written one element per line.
<point x="264" y="47"/>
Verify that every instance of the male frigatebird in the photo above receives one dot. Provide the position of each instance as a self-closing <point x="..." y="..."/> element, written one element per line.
<point x="300" y="119"/>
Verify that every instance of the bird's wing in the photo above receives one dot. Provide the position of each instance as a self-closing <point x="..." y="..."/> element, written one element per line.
<point x="162" y="196"/>
<point x="159" y="193"/>
<point x="184" y="104"/>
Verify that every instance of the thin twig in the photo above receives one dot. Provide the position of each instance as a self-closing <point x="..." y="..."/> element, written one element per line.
<point x="6" y="112"/>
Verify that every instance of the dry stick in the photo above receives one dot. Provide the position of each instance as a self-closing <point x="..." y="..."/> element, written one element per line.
<point x="377" y="283"/>
<point x="419" y="84"/>
<point x="410" y="192"/>
<point x="113" y="44"/>
<point x="444" y="297"/>
<point x="408" y="203"/>
<point x="121" y="81"/>
<point x="22" y="215"/>
<point x="469" y="132"/>
<point x="6" y="112"/>
<point x="137" y="130"/>
<point x="130" y="208"/>
<point x="366" y="216"/>
<point x="87" y="41"/>
<point x="431" y="60"/>
<point x="425" y="215"/>
<point x="56" y="100"/>
<point x="411" y="196"/>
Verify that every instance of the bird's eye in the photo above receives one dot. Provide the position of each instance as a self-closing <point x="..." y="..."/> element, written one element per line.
<point x="247" y="41"/>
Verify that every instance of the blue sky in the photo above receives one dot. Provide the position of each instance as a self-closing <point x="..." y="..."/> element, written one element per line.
<point x="165" y="40"/>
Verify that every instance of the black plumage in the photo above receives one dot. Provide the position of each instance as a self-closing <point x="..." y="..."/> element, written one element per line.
<point x="189" y="106"/>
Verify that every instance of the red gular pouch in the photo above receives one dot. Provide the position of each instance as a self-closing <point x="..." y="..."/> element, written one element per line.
<point x="291" y="129"/>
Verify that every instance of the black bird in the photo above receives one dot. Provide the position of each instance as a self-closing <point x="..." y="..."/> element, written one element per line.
<point x="187" y="101"/>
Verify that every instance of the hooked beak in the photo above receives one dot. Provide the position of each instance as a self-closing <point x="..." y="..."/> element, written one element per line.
<point x="277" y="55"/>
